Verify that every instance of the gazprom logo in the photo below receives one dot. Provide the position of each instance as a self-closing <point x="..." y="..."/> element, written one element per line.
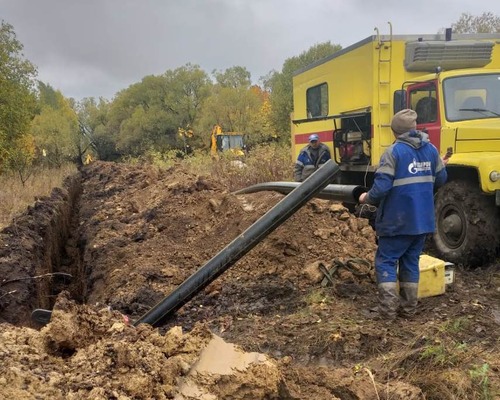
<point x="419" y="166"/>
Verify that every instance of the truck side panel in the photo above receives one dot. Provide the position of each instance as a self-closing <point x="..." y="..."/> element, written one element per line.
<point x="360" y="78"/>
<point x="347" y="77"/>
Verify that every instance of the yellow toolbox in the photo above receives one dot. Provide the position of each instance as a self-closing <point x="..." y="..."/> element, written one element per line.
<point x="432" y="276"/>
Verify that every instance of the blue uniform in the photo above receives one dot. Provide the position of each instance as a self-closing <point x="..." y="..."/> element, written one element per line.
<point x="310" y="160"/>
<point x="403" y="190"/>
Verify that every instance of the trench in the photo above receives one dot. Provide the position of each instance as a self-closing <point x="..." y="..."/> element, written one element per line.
<point x="41" y="255"/>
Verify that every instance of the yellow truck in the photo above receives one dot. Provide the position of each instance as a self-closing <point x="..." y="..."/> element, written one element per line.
<point x="453" y="83"/>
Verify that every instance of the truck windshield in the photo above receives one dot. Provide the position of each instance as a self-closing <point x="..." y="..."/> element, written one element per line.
<point x="232" y="142"/>
<point x="472" y="97"/>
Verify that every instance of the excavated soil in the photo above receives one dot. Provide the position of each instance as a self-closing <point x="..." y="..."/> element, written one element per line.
<point x="117" y="239"/>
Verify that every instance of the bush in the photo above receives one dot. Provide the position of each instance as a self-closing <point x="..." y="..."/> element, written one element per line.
<point x="265" y="163"/>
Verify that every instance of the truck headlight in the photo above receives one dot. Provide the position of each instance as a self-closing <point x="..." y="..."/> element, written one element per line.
<point x="494" y="176"/>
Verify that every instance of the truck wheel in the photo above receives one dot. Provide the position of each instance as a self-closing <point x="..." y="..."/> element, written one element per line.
<point x="467" y="224"/>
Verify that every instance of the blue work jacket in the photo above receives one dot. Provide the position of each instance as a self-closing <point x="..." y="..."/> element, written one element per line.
<point x="306" y="164"/>
<point x="404" y="183"/>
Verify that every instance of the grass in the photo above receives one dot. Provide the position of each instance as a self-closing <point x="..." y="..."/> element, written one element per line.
<point x="454" y="326"/>
<point x="264" y="163"/>
<point x="442" y="355"/>
<point x="317" y="297"/>
<point x="443" y="367"/>
<point x="479" y="375"/>
<point x="15" y="197"/>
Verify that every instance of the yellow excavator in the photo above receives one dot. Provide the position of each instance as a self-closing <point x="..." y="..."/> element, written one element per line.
<point x="227" y="141"/>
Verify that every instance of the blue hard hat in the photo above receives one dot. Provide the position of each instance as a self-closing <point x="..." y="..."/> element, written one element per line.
<point x="313" y="137"/>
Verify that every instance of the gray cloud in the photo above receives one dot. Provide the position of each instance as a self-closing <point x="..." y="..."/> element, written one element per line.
<point x="98" y="47"/>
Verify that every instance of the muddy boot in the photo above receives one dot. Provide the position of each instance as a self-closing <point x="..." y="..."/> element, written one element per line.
<point x="388" y="300"/>
<point x="408" y="292"/>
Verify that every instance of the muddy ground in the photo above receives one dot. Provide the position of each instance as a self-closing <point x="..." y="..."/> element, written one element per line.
<point x="116" y="239"/>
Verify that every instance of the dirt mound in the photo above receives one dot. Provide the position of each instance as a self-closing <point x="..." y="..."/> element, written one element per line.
<point x="94" y="354"/>
<point x="139" y="232"/>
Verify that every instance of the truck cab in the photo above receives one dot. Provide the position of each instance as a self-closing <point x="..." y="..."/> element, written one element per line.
<point x="460" y="110"/>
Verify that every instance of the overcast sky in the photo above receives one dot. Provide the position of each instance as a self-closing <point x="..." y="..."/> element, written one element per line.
<point x="93" y="48"/>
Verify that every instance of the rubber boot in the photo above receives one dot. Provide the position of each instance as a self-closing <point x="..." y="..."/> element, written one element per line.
<point x="408" y="292"/>
<point x="388" y="300"/>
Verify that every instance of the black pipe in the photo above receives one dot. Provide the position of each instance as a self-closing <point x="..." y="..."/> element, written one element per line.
<point x="335" y="192"/>
<point x="241" y="245"/>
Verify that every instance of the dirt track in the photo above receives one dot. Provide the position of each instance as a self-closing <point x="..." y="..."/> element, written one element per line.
<point x="129" y="235"/>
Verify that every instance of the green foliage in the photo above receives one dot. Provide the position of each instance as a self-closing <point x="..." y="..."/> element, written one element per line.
<point x="231" y="108"/>
<point x="14" y="68"/>
<point x="145" y="128"/>
<point x="130" y="113"/>
<point x="479" y="375"/>
<point x="262" y="130"/>
<point x="149" y="113"/>
<point x="455" y="325"/>
<point x="48" y="96"/>
<point x="92" y="121"/>
<point x="55" y="130"/>
<point x="234" y="77"/>
<point x="187" y="88"/>
<point x="21" y="157"/>
<point x="236" y="107"/>
<point x="281" y="86"/>
<point x="487" y="22"/>
<point x="17" y="96"/>
<point x="440" y="354"/>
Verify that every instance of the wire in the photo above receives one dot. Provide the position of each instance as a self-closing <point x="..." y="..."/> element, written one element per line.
<point x="371" y="208"/>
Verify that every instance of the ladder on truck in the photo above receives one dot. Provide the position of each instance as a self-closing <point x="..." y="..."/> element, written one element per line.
<point x="384" y="47"/>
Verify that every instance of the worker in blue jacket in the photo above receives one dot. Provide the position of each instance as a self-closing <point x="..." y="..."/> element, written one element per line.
<point x="310" y="158"/>
<point x="403" y="191"/>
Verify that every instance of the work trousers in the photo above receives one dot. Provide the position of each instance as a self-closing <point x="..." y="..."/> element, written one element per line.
<point x="397" y="258"/>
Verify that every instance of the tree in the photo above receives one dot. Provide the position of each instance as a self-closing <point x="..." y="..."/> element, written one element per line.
<point x="47" y="96"/>
<point x="233" y="104"/>
<point x="130" y="105"/>
<point x="148" y="114"/>
<point x="92" y="122"/>
<point x="232" y="108"/>
<point x="234" y="77"/>
<point x="55" y="129"/>
<point x="21" y="157"/>
<point x="187" y="89"/>
<point x="487" y="22"/>
<point x="280" y="85"/>
<point x="17" y="94"/>
<point x="263" y="130"/>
